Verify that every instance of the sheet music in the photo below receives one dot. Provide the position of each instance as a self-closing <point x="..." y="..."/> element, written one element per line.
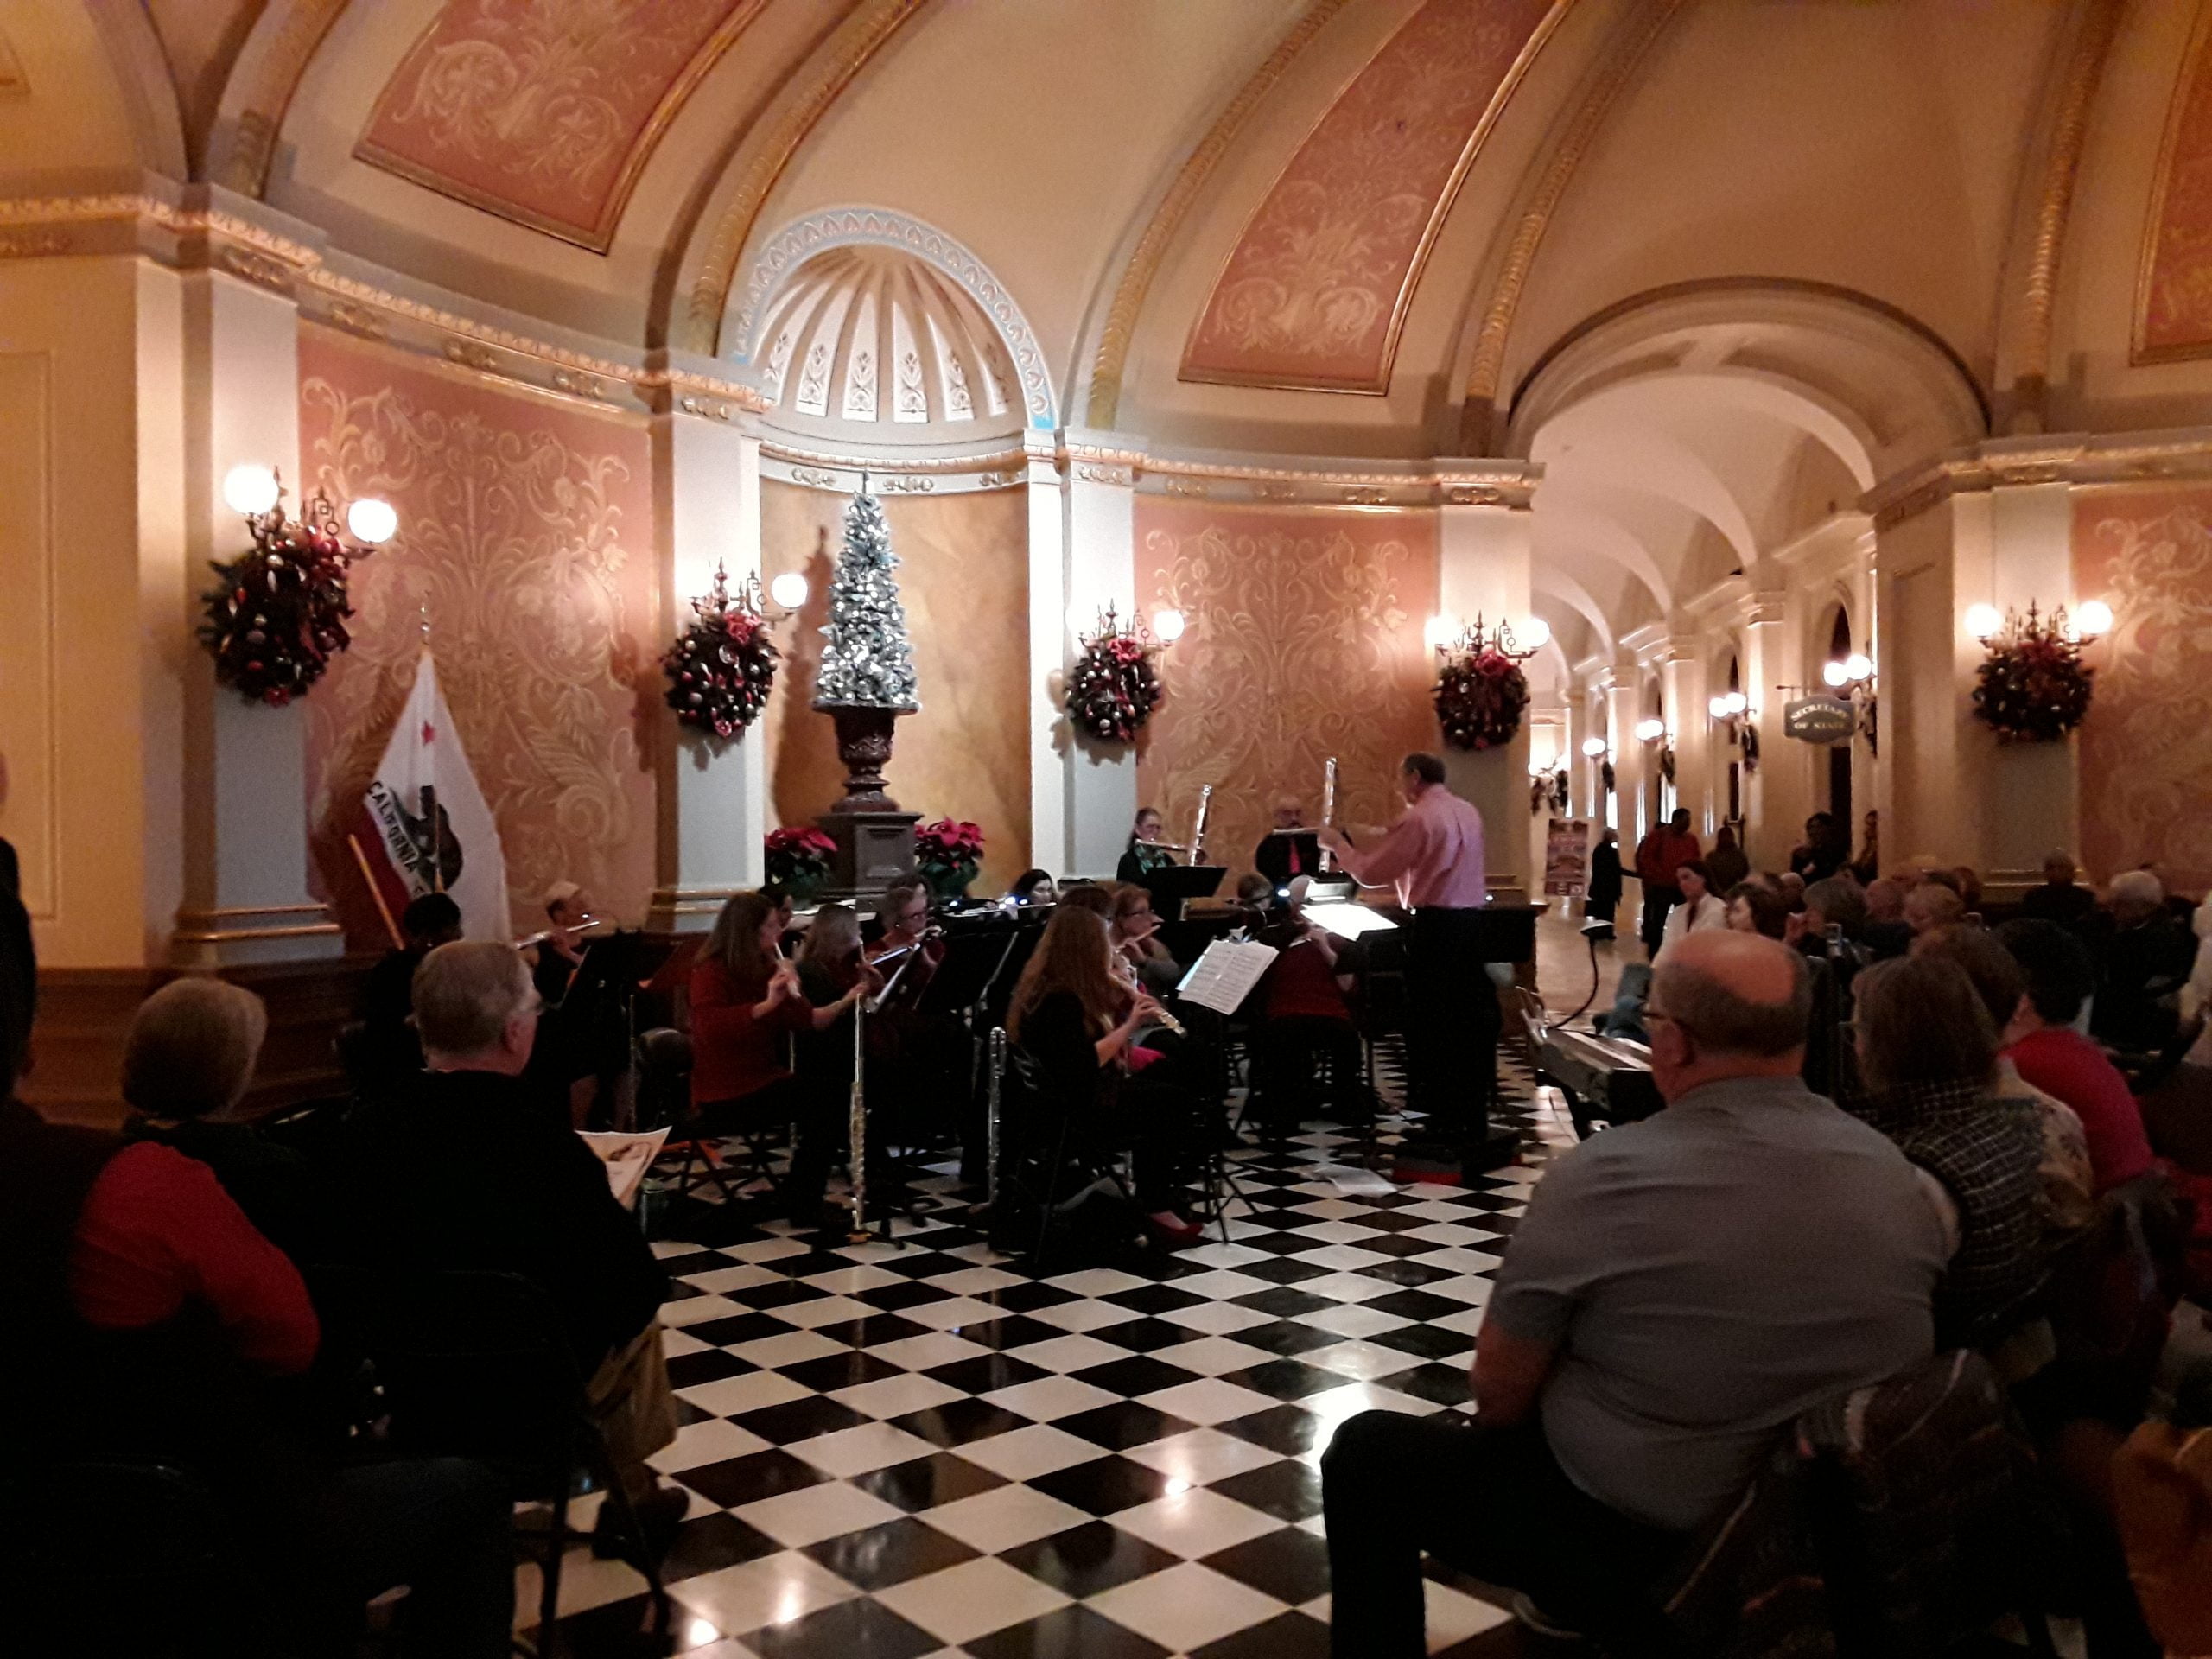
<point x="1225" y="974"/>
<point x="628" y="1157"/>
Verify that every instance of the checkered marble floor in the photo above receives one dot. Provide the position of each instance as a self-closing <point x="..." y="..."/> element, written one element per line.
<point x="911" y="1448"/>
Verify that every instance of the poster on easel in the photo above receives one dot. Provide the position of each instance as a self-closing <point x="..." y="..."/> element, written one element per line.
<point x="1566" y="858"/>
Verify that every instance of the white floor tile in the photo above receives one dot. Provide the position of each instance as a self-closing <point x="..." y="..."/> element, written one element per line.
<point x="1186" y="1607"/>
<point x="1035" y="1449"/>
<point x="972" y="1600"/>
<point x="1069" y="1353"/>
<point x="1208" y="1401"/>
<point x="813" y="1513"/>
<point x="1351" y="1320"/>
<point x="1200" y="1456"/>
<point x="1004" y="1517"/>
<point x="698" y="1310"/>
<point x="894" y="1396"/>
<point x="850" y="1452"/>
<point x="1211" y="1356"/>
<point x="728" y="1396"/>
<point x="787" y="1350"/>
<point x="1216" y="1319"/>
<point x="777" y="1589"/>
<point x="922" y="1353"/>
<point x="1051" y="1396"/>
<point x="1085" y="1314"/>
<point x="711" y="1441"/>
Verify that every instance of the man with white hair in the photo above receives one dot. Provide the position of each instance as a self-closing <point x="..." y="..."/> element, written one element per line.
<point x="1678" y="1292"/>
<point x="2142" y="963"/>
<point x="469" y="1167"/>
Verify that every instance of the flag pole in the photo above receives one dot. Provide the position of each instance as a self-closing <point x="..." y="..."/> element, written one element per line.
<point x="429" y="802"/>
<point x="376" y="892"/>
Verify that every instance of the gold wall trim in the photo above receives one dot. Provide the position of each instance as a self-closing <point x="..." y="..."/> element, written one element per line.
<point x="941" y="466"/>
<point x="791" y="115"/>
<point x="2068" y="130"/>
<point x="599" y="236"/>
<point x="1107" y="364"/>
<point x="1440" y="210"/>
<point x="1632" y="39"/>
<point x="268" y="73"/>
<point x="2081" y="463"/>
<point x="2141" y="351"/>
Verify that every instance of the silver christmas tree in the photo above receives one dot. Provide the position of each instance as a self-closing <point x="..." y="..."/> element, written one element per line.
<point x="867" y="662"/>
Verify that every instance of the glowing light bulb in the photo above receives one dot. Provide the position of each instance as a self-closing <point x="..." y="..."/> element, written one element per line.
<point x="1593" y="746"/>
<point x="1440" y="630"/>
<point x="1738" y="702"/>
<point x="1168" y="626"/>
<point x="1833" y="673"/>
<point x="1534" y="634"/>
<point x="1649" y="731"/>
<point x="250" y="490"/>
<point x="1983" y="621"/>
<point x="1858" y="666"/>
<point x="372" y="522"/>
<point x="2093" y="619"/>
<point x="789" y="590"/>
<point x="1718" y="708"/>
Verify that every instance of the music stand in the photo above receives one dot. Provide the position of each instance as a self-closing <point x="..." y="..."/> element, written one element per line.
<point x="1171" y="885"/>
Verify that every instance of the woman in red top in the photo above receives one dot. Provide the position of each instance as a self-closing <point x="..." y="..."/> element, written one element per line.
<point x="745" y="1002"/>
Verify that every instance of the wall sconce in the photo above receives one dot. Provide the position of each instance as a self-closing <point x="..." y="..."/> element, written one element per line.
<point x="1594" y="747"/>
<point x="1733" y="711"/>
<point x="1650" y="731"/>
<point x="789" y="591"/>
<point x="1167" y="626"/>
<point x="2090" y="623"/>
<point x="1444" y="635"/>
<point x="1853" y="680"/>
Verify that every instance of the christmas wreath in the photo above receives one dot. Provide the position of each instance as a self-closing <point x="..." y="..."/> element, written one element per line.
<point x="1113" y="688"/>
<point x="279" y="615"/>
<point x="1480" y="697"/>
<point x="720" y="668"/>
<point x="2032" y="687"/>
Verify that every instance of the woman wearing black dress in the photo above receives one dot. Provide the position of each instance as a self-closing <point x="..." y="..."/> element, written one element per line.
<point x="1604" y="896"/>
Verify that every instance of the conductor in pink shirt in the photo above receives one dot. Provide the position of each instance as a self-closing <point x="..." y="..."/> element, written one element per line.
<point x="1433" y="857"/>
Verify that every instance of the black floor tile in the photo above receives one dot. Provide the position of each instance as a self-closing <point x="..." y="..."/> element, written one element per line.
<point x="709" y="1542"/>
<point x="1287" y="1636"/>
<point x="958" y="1422"/>
<point x="1026" y="1297"/>
<point x="1284" y="1270"/>
<point x="1103" y="1486"/>
<point x="845" y="1370"/>
<point x="1426" y="1341"/>
<point x="1122" y="1425"/>
<point x="878" y="1557"/>
<point x="1289" y="1564"/>
<point x="1280" y="1428"/>
<point x="1013" y="1331"/>
<point x="799" y="1420"/>
<point x="752" y="1478"/>
<point x="1139" y="1373"/>
<point x="872" y="1331"/>
<point x="1288" y="1337"/>
<point x="1086" y="1559"/>
<point x="619" y="1629"/>
<point x="893" y="1298"/>
<point x="1068" y="1633"/>
<point x="1285" y="1379"/>
<point x="1416" y="1305"/>
<point x="1143" y="1334"/>
<point x="1289" y="1491"/>
<point x="739" y="1327"/>
<point x="1283" y="1302"/>
<point x="986" y="1371"/>
<point x="860" y="1628"/>
<point x="1411" y="1273"/>
<point x="688" y="1371"/>
<point x="924" y="1482"/>
<point x="1152" y="1299"/>
<point x="1443" y="1383"/>
<point x="768" y="1297"/>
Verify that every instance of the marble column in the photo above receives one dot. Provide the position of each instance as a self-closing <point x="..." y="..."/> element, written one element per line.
<point x="712" y="793"/>
<point x="1683" y="696"/>
<point x="245" y="877"/>
<point x="1049" y="655"/>
<point x="2033" y="788"/>
<point x="1100" y="778"/>
<point x="1484" y="539"/>
<point x="1623" y="712"/>
<point x="1775" y="788"/>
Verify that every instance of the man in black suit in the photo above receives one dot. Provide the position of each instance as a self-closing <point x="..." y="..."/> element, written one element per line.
<point x="1288" y="851"/>
<point x="464" y="1167"/>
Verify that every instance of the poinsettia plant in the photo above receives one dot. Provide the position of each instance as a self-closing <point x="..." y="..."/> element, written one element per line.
<point x="798" y="856"/>
<point x="948" y="854"/>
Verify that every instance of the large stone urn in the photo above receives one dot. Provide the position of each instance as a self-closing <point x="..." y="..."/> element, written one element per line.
<point x="875" y="840"/>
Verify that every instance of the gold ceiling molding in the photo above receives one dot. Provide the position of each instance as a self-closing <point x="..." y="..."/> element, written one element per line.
<point x="1151" y="247"/>
<point x="793" y="114"/>
<point x="268" y="71"/>
<point x="940" y="466"/>
<point x="2068" y="130"/>
<point x="2195" y="67"/>
<point x="2082" y="462"/>
<point x="1631" y="39"/>
<point x="188" y="237"/>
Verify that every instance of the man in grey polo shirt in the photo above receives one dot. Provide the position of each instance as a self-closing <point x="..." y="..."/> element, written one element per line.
<point x="1679" y="1291"/>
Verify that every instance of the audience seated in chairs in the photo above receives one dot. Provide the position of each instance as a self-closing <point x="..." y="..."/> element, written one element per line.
<point x="1755" y="907"/>
<point x="2048" y="1052"/>
<point x="148" y="1322"/>
<point x="1701" y="909"/>
<point x="185" y="1064"/>
<point x="388" y="1048"/>
<point x="1077" y="1020"/>
<point x="1679" y="1292"/>
<point x="1887" y="933"/>
<point x="746" y="1002"/>
<point x="466" y="1169"/>
<point x="2061" y="899"/>
<point x="1927" y="1054"/>
<point x="1933" y="903"/>
<point x="2144" y="959"/>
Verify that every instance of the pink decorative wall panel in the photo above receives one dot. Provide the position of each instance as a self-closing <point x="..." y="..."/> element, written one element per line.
<point x="1303" y="640"/>
<point x="2173" y="311"/>
<point x="2146" y="746"/>
<point x="526" y="529"/>
<point x="1316" y="289"/>
<point x="544" y="111"/>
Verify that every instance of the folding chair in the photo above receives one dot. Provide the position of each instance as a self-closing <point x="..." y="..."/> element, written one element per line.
<point x="664" y="1098"/>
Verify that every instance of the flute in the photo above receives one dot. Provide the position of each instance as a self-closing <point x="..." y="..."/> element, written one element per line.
<point x="1199" y="834"/>
<point x="856" y="1124"/>
<point x="1328" y="810"/>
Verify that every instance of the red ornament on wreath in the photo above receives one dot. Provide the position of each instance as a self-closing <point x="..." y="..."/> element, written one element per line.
<point x="1113" y="688"/>
<point x="2032" y="686"/>
<point x="1480" y="698"/>
<point x="721" y="668"/>
<point x="278" y="615"/>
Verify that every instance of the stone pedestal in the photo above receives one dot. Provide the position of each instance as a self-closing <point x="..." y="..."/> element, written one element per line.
<point x="875" y="850"/>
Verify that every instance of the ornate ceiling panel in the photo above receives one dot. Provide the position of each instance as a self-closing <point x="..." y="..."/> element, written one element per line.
<point x="1315" y="290"/>
<point x="2173" y="306"/>
<point x="545" y="113"/>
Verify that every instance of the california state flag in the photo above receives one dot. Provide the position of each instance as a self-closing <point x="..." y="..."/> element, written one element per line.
<point x="424" y="826"/>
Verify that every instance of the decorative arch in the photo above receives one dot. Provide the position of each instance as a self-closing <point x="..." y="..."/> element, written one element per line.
<point x="785" y="251"/>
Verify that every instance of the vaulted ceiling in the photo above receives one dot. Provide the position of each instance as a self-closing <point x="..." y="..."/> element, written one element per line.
<point x="1654" y="245"/>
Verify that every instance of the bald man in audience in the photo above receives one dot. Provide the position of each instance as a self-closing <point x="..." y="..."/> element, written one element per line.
<point x="1678" y="1292"/>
